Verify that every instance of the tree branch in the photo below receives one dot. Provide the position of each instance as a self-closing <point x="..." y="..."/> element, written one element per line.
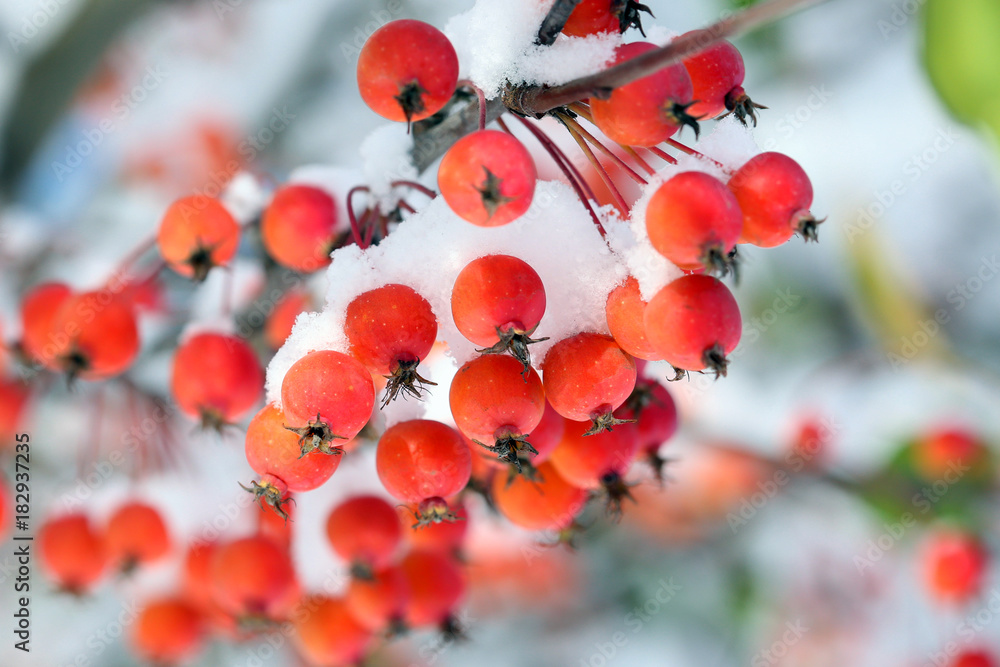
<point x="537" y="100"/>
<point x="430" y="144"/>
<point x="555" y="20"/>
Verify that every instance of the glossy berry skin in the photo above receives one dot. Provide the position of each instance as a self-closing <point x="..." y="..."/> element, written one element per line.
<point x="216" y="378"/>
<point x="274" y="452"/>
<point x="547" y="502"/>
<point x="96" y="335"/>
<point x="546" y="436"/>
<point x="648" y="110"/>
<point x="488" y="178"/>
<point x="717" y="75"/>
<point x="279" y="324"/>
<point x="331" y="388"/>
<point x="196" y="234"/>
<point x="326" y="633"/>
<point x="252" y="577"/>
<point x="774" y="193"/>
<point x="421" y="459"/>
<point x="624" y="311"/>
<point x="694" y="221"/>
<point x="587" y="376"/>
<point x="407" y="70"/>
<point x="494" y="403"/>
<point x="496" y="291"/>
<point x="380" y="601"/>
<point x="436" y="584"/>
<point x="38" y="312"/>
<point x="694" y="323"/>
<point x="72" y="552"/>
<point x="656" y="413"/>
<point x="591" y="17"/>
<point x="136" y="535"/>
<point x="298" y="227"/>
<point x="391" y="329"/>
<point x="955" y="565"/>
<point x="586" y="461"/>
<point x="365" y="531"/>
<point x="167" y="632"/>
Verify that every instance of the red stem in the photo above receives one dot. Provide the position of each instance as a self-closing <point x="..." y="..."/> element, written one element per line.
<point x="355" y="229"/>
<point x="481" y="96"/>
<point x="419" y="187"/>
<point x="600" y="170"/>
<point x="601" y="147"/>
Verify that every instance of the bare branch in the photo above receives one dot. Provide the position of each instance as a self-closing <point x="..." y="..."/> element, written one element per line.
<point x="537" y="100"/>
<point x="555" y="20"/>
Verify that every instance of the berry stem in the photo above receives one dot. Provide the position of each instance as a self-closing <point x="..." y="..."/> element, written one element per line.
<point x="690" y="151"/>
<point x="135" y="254"/>
<point x="576" y="180"/>
<point x="419" y="187"/>
<point x="355" y="228"/>
<point x="642" y="163"/>
<point x="567" y="120"/>
<point x="619" y="200"/>
<point x="480" y="95"/>
<point x="662" y="154"/>
<point x="537" y="100"/>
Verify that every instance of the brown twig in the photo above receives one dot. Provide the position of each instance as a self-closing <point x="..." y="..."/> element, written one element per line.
<point x="537" y="100"/>
<point x="554" y="21"/>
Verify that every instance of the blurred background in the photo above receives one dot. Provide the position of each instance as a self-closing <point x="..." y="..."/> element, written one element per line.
<point x="782" y="535"/>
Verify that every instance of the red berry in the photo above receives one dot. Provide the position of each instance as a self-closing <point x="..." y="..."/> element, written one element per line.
<point x="5" y="506"/>
<point x="298" y="227"/>
<point x="717" y="75"/>
<point x="586" y="377"/>
<point x="407" y="70"/>
<point x="14" y="397"/>
<point x="940" y="451"/>
<point x="694" y="221"/>
<point x="624" y="310"/>
<point x="544" y="502"/>
<point x="38" y="312"/>
<point x="279" y="324"/>
<point x="497" y="301"/>
<point x="774" y="194"/>
<point x="252" y="577"/>
<point x="167" y="632"/>
<point x="436" y="586"/>
<point x="974" y="658"/>
<point x="136" y="535"/>
<point x="364" y="531"/>
<point x="274" y="452"/>
<point x="196" y="234"/>
<point x="391" y="329"/>
<point x="423" y="461"/>
<point x="327" y="397"/>
<point x="588" y="461"/>
<point x="95" y="335"/>
<point x="591" y="17"/>
<point x="648" y="110"/>
<point x="495" y="406"/>
<point x="379" y="602"/>
<point x="954" y="566"/>
<point x="546" y="436"/>
<point x="488" y="178"/>
<point x="694" y="323"/>
<point x="216" y="378"/>
<point x="72" y="552"/>
<point x="326" y="633"/>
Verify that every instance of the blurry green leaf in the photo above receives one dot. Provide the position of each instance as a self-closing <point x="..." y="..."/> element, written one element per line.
<point x="962" y="56"/>
<point x="900" y="320"/>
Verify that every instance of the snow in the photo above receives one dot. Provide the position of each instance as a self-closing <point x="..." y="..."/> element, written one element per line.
<point x="556" y="236"/>
<point x="495" y="42"/>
